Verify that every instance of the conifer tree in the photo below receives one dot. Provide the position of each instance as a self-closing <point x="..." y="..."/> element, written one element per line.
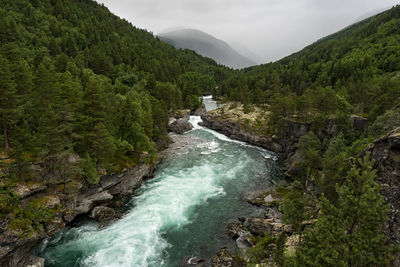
<point x="350" y="234"/>
<point x="8" y="99"/>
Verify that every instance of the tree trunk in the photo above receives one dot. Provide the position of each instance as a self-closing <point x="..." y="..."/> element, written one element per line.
<point x="6" y="144"/>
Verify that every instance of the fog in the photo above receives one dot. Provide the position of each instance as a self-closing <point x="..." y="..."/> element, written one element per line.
<point x="268" y="29"/>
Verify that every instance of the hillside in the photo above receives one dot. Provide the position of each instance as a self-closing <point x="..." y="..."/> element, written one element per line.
<point x="206" y="45"/>
<point x="359" y="64"/>
<point x="344" y="92"/>
<point x="83" y="93"/>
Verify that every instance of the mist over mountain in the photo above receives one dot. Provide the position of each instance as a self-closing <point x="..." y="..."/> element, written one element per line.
<point x="206" y="45"/>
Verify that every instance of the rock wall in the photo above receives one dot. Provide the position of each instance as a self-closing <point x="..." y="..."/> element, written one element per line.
<point x="386" y="153"/>
<point x="113" y="190"/>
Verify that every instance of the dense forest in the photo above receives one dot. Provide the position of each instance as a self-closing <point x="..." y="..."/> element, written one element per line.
<point x="77" y="79"/>
<point x="353" y="72"/>
<point x="84" y="93"/>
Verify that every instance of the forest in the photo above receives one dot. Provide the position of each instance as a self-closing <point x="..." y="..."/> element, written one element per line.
<point x="84" y="93"/>
<point x="355" y="72"/>
<point x="77" y="79"/>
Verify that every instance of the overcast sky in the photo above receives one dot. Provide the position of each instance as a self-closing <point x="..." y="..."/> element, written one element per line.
<point x="270" y="29"/>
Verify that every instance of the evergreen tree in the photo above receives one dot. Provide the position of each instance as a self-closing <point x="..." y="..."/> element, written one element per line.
<point x="350" y="234"/>
<point x="8" y="99"/>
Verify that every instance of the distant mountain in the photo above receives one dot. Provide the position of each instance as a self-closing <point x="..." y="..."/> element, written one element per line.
<point x="206" y="45"/>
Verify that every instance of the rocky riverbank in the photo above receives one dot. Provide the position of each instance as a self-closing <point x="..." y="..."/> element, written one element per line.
<point x="71" y="203"/>
<point x="251" y="125"/>
<point x="103" y="202"/>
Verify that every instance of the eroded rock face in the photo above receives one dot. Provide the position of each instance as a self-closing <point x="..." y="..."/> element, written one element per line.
<point x="386" y="153"/>
<point x="16" y="251"/>
<point x="104" y="214"/>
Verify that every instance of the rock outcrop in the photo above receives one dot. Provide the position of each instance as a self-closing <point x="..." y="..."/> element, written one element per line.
<point x="385" y="151"/>
<point x="97" y="201"/>
<point x="180" y="126"/>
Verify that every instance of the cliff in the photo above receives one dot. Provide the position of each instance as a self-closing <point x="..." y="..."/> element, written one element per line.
<point x="386" y="153"/>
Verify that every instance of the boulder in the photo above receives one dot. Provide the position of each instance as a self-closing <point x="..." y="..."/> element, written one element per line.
<point x="104" y="214"/>
<point x="199" y="111"/>
<point x="259" y="226"/>
<point x="180" y="126"/>
<point x="87" y="202"/>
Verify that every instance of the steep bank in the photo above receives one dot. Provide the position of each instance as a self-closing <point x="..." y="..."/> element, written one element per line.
<point x="113" y="191"/>
<point x="386" y="153"/>
<point x="250" y="124"/>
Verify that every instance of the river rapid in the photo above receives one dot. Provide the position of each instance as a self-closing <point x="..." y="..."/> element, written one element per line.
<point x="181" y="212"/>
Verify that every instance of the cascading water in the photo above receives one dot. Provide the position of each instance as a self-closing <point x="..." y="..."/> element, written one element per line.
<point x="180" y="212"/>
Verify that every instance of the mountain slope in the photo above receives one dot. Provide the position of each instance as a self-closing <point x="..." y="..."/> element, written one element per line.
<point x="83" y="94"/>
<point x="359" y="64"/>
<point x="206" y="45"/>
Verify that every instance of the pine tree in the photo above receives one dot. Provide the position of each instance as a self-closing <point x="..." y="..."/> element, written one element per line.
<point x="8" y="99"/>
<point x="350" y="234"/>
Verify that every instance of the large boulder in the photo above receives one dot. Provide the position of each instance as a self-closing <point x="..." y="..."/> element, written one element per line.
<point x="180" y="126"/>
<point x="199" y="111"/>
<point x="104" y="214"/>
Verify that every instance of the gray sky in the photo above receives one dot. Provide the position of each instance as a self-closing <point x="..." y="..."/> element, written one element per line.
<point x="270" y="29"/>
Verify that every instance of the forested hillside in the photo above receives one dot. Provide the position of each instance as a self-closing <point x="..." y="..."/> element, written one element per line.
<point x="75" y="78"/>
<point x="333" y="203"/>
<point x="352" y="71"/>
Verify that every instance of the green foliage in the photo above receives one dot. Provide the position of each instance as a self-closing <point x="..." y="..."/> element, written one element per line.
<point x="385" y="123"/>
<point x="310" y="152"/>
<point x="90" y="171"/>
<point x="31" y="219"/>
<point x="77" y="80"/>
<point x="349" y="234"/>
<point x="351" y="72"/>
<point x="8" y="200"/>
<point x="335" y="166"/>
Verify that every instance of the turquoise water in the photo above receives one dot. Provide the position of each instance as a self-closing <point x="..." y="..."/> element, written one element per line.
<point x="180" y="212"/>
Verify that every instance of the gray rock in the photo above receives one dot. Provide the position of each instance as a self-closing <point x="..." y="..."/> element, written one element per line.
<point x="243" y="242"/>
<point x="386" y="153"/>
<point x="359" y="123"/>
<point x="199" y="111"/>
<point x="104" y="214"/>
<point x="180" y="126"/>
<point x="86" y="203"/>
<point x="258" y="226"/>
<point x="131" y="180"/>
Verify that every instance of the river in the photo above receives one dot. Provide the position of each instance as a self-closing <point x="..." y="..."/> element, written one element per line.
<point x="181" y="212"/>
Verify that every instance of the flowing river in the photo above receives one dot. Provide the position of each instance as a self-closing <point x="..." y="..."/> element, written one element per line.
<point x="181" y="212"/>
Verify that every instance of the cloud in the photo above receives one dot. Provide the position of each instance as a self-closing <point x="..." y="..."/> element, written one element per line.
<point x="271" y="29"/>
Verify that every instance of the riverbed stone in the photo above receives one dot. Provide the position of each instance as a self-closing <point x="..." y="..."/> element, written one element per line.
<point x="180" y="126"/>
